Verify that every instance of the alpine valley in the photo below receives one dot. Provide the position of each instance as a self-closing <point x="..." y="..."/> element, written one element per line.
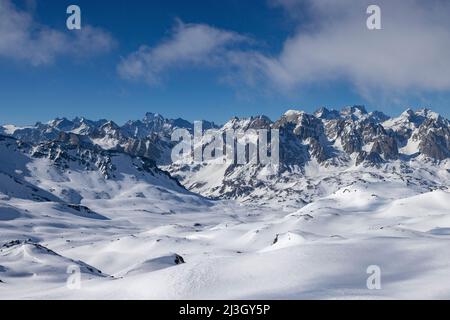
<point x="354" y="189"/>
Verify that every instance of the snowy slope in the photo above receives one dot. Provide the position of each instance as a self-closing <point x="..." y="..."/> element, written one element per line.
<point x="320" y="251"/>
<point x="356" y="189"/>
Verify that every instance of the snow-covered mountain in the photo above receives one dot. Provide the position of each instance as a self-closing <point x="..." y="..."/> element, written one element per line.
<point x="149" y="138"/>
<point x="321" y="152"/>
<point x="71" y="170"/>
<point x="353" y="189"/>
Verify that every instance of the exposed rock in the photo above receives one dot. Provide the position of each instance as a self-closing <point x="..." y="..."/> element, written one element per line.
<point x="434" y="139"/>
<point x="370" y="158"/>
<point x="178" y="259"/>
<point x="386" y="146"/>
<point x="327" y="139"/>
<point x="325" y="114"/>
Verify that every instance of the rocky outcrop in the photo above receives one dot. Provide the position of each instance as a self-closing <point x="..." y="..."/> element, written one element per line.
<point x="385" y="146"/>
<point x="434" y="137"/>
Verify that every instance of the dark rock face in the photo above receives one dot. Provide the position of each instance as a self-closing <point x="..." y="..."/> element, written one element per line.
<point x="350" y="136"/>
<point x="370" y="158"/>
<point x="434" y="139"/>
<point x="355" y="134"/>
<point x="435" y="146"/>
<point x="158" y="125"/>
<point x="378" y="117"/>
<point x="319" y="151"/>
<point x="255" y="123"/>
<point x="353" y="111"/>
<point x="385" y="146"/>
<point x="152" y="147"/>
<point x="325" y="114"/>
<point x="74" y="151"/>
<point x="292" y="150"/>
<point x="302" y="125"/>
<point x="302" y="137"/>
<point x="69" y="150"/>
<point x="178" y="259"/>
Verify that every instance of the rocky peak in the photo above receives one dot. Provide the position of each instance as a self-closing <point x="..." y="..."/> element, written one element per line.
<point x="153" y="117"/>
<point x="354" y="112"/>
<point x="428" y="114"/>
<point x="62" y="124"/>
<point x="434" y="137"/>
<point x="259" y="122"/>
<point x="302" y="124"/>
<point x="326" y="114"/>
<point x="377" y="116"/>
<point x="69" y="138"/>
<point x="110" y="126"/>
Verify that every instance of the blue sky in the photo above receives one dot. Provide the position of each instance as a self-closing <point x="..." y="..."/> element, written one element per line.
<point x="215" y="59"/>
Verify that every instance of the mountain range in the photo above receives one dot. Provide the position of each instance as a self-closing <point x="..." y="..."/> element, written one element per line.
<point x="352" y="189"/>
<point x="319" y="152"/>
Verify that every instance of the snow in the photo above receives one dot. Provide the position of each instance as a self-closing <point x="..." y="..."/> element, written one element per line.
<point x="135" y="234"/>
<point x="411" y="147"/>
<point x="9" y="129"/>
<point x="231" y="251"/>
<point x="293" y="113"/>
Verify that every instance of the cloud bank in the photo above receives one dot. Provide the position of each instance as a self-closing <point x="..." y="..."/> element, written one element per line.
<point x="410" y="52"/>
<point x="23" y="39"/>
<point x="330" y="43"/>
<point x="189" y="45"/>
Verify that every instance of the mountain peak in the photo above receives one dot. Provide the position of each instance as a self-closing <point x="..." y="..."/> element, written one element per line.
<point x="325" y="113"/>
<point x="61" y="123"/>
<point x="428" y="114"/>
<point x="357" y="111"/>
<point x="150" y="116"/>
<point x="293" y="113"/>
<point x="378" y="116"/>
<point x="110" y="125"/>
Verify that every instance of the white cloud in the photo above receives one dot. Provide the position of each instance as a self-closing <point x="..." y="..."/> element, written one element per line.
<point x="22" y="38"/>
<point x="189" y="45"/>
<point x="411" y="52"/>
<point x="331" y="43"/>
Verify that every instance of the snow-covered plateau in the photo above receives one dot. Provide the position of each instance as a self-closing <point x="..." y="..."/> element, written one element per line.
<point x="355" y="190"/>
